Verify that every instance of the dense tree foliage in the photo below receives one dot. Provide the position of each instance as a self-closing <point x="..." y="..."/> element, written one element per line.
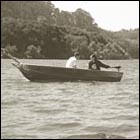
<point x="39" y="30"/>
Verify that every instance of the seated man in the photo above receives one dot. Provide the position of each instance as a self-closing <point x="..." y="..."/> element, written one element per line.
<point x="72" y="61"/>
<point x="95" y="64"/>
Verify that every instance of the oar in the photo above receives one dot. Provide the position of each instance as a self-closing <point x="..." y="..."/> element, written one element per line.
<point x="117" y="67"/>
<point x="12" y="57"/>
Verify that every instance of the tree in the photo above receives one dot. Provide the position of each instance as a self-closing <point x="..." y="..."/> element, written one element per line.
<point x="83" y="19"/>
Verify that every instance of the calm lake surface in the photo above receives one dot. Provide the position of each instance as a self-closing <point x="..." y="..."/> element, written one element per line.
<point x="69" y="109"/>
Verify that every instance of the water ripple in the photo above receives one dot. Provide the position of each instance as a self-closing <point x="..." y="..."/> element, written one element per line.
<point x="69" y="110"/>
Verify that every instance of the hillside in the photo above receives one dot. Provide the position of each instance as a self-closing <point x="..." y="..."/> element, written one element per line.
<point x="39" y="30"/>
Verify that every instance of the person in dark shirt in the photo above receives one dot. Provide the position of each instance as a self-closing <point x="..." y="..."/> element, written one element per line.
<point x="95" y="64"/>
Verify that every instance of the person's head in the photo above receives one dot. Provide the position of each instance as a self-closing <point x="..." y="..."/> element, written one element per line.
<point x="77" y="55"/>
<point x="93" y="57"/>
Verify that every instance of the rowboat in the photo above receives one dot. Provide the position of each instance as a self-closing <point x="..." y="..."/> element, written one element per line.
<point x="50" y="73"/>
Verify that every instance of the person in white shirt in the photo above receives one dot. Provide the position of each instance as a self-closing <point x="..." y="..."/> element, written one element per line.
<point x="72" y="61"/>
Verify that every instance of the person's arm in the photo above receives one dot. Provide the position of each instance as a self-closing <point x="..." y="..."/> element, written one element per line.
<point x="89" y="65"/>
<point x="92" y="66"/>
<point x="75" y="64"/>
<point x="103" y="65"/>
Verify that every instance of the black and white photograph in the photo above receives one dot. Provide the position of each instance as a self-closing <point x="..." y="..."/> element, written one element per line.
<point x="69" y="69"/>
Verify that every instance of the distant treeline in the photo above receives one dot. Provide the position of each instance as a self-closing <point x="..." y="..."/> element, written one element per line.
<point x="35" y="29"/>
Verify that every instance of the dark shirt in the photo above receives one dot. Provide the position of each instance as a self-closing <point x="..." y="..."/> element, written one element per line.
<point x="97" y="65"/>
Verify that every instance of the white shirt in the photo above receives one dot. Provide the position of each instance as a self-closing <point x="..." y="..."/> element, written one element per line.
<point x="71" y="62"/>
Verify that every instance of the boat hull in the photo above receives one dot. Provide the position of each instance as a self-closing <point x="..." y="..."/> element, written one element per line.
<point x="47" y="73"/>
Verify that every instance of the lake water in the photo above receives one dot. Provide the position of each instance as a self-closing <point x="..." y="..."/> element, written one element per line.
<point x="58" y="110"/>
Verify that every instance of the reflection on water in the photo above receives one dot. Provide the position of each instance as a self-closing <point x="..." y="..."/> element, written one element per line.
<point x="70" y="109"/>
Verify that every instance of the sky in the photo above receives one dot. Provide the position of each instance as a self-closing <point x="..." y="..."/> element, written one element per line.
<point x="109" y="15"/>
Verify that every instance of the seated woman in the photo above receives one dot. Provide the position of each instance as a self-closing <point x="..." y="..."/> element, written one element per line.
<point x="95" y="64"/>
